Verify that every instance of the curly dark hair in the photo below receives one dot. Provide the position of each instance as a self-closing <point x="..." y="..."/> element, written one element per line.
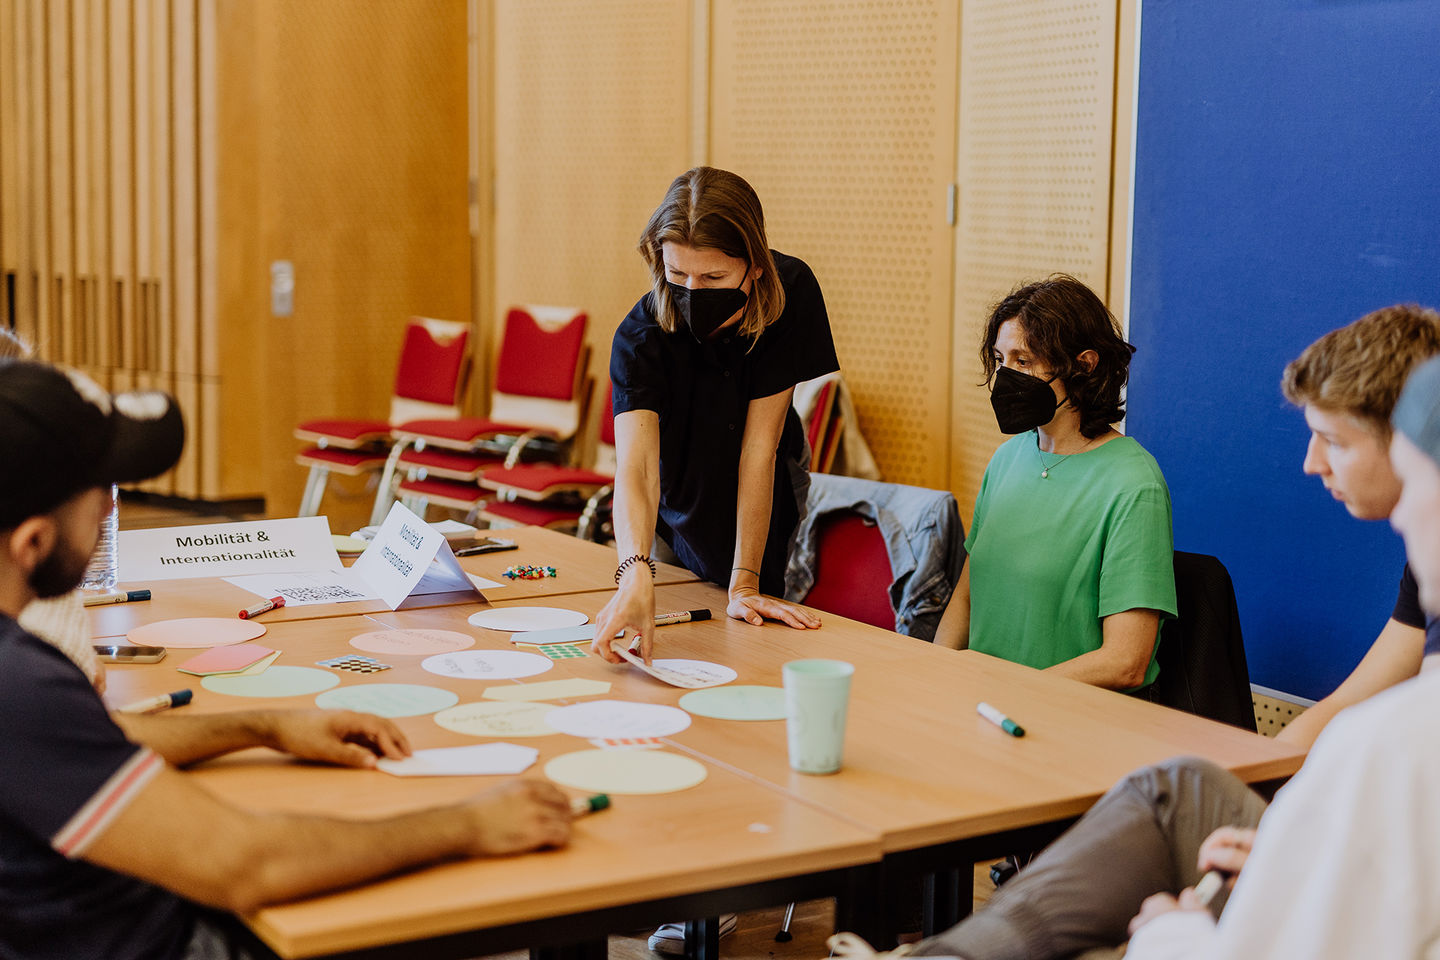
<point x="1061" y="319"/>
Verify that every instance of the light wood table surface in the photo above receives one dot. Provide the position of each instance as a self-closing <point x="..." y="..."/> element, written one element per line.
<point x="695" y="852"/>
<point x="580" y="566"/>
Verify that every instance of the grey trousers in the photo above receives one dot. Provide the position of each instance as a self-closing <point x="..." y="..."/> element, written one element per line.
<point x="1142" y="837"/>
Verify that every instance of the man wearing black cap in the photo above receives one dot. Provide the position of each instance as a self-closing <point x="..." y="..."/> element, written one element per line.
<point x="106" y="848"/>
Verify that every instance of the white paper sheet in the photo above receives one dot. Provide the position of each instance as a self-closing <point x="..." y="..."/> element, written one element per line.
<point x="478" y="760"/>
<point x="690" y="674"/>
<point x="306" y="589"/>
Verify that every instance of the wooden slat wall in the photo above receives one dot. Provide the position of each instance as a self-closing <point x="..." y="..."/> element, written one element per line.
<point x="99" y="169"/>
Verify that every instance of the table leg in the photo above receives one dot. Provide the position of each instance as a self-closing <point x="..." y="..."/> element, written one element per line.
<point x="592" y="950"/>
<point x="702" y="939"/>
<point x="949" y="895"/>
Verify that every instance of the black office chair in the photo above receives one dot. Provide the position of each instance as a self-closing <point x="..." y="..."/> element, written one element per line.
<point x="1202" y="652"/>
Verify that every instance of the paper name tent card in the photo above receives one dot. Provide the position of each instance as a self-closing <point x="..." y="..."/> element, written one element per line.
<point x="408" y="558"/>
<point x="227" y="549"/>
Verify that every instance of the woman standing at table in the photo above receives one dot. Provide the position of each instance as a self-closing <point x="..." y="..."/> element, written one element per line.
<point x="1071" y="563"/>
<point x="710" y="454"/>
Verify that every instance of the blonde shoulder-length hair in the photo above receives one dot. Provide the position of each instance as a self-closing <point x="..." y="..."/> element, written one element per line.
<point x="706" y="207"/>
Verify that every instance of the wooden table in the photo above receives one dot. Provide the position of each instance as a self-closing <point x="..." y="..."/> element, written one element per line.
<point x="581" y="567"/>
<point x="927" y="785"/>
<point x="730" y="843"/>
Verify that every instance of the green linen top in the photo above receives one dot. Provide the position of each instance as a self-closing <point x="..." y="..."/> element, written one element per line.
<point x="1050" y="558"/>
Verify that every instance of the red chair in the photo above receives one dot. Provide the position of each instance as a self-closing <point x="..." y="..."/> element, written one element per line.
<point x="536" y="409"/>
<point x="852" y="571"/>
<point x="557" y="496"/>
<point x="429" y="381"/>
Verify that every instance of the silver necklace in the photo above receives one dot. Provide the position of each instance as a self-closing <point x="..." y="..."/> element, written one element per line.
<point x="1046" y="467"/>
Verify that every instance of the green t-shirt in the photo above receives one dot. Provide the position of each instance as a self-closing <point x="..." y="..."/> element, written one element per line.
<point x="1051" y="557"/>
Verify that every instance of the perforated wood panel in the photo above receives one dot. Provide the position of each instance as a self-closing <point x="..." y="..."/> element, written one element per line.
<point x="591" y="123"/>
<point x="841" y="114"/>
<point x="1037" y="85"/>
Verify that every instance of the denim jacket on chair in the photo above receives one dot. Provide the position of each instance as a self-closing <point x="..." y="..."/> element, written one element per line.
<point x="923" y="536"/>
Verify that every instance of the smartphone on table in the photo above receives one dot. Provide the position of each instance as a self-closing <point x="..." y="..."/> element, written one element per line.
<point x="478" y="545"/>
<point x="119" y="653"/>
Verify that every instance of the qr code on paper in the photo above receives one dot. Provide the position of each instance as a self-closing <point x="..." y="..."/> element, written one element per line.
<point x="330" y="592"/>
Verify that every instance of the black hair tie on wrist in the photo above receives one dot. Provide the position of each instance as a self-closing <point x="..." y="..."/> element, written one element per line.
<point x="630" y="562"/>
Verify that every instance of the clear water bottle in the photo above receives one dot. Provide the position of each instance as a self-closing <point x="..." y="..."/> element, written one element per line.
<point x="104" y="566"/>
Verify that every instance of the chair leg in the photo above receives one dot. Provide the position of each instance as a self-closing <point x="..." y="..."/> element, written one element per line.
<point x="385" y="491"/>
<point x="784" y="935"/>
<point x="314" y="491"/>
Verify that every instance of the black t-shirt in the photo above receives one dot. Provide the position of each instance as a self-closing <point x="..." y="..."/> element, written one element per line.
<point x="66" y="769"/>
<point x="1408" y="611"/>
<point x="702" y="393"/>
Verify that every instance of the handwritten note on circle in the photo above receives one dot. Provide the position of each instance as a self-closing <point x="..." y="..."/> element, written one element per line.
<point x="524" y="619"/>
<point x="196" y="632"/>
<point x="487" y="664"/>
<point x="493" y="719"/>
<point x="625" y="771"/>
<point x="618" y="719"/>
<point x="388" y="699"/>
<point x="412" y="642"/>
<point x="737" y="703"/>
<point x="274" y="682"/>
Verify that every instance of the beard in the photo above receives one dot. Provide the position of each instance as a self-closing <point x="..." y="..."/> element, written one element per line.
<point x="60" y="572"/>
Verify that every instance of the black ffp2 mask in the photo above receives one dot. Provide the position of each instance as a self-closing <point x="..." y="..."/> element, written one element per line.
<point x="705" y="309"/>
<point x="1022" y="402"/>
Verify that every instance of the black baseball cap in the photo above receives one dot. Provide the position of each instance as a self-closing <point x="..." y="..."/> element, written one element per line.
<point x="61" y="433"/>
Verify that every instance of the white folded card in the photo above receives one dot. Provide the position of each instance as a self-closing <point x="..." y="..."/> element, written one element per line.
<point x="227" y="549"/>
<point x="477" y="760"/>
<point x="409" y="557"/>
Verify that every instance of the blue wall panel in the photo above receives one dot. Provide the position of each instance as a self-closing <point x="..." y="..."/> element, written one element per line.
<point x="1287" y="182"/>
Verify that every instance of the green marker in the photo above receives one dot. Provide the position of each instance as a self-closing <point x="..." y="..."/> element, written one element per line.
<point x="1000" y="720"/>
<point x="579" y="806"/>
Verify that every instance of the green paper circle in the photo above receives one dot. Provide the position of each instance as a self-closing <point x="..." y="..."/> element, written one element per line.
<point x="388" y="699"/>
<point x="274" y="682"/>
<point x="736" y="703"/>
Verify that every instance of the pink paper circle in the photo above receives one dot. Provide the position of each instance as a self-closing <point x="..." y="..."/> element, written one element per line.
<point x="196" y="632"/>
<point x="412" y="642"/>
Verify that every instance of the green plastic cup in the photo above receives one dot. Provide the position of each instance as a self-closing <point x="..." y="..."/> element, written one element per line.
<point x="817" y="695"/>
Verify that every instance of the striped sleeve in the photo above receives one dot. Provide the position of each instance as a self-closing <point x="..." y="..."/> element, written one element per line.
<point x="114" y="795"/>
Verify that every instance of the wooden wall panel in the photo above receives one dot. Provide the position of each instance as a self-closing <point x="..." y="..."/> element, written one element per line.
<point x="591" y="125"/>
<point x="363" y="181"/>
<point x="841" y="114"/>
<point x="1037" y="83"/>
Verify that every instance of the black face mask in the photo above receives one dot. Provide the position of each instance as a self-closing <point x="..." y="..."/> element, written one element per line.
<point x="704" y="309"/>
<point x="1022" y="402"/>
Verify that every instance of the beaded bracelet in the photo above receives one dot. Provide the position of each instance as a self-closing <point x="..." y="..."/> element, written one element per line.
<point x="527" y="571"/>
<point x="631" y="561"/>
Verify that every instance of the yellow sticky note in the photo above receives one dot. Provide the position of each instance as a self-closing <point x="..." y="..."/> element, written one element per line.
<point x="549" y="690"/>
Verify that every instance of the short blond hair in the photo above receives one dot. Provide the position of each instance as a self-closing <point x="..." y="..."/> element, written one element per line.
<point x="708" y="207"/>
<point x="1360" y="368"/>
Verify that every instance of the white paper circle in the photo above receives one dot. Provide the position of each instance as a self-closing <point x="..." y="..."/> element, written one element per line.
<point x="487" y="664"/>
<point x="523" y="619"/>
<point x="412" y="642"/>
<point x="625" y="772"/>
<point x="617" y="719"/>
<point x="696" y="673"/>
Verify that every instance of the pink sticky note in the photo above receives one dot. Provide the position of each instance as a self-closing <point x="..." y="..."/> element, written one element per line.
<point x="225" y="659"/>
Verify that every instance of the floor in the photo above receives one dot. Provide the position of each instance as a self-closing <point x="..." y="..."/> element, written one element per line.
<point x="754" y="937"/>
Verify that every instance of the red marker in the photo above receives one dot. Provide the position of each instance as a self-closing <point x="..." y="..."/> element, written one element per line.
<point x="264" y="606"/>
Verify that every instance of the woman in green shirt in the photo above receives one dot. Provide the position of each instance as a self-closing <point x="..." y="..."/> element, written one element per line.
<point x="1070" y="563"/>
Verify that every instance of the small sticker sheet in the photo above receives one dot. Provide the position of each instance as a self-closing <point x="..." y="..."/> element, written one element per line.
<point x="564" y="651"/>
<point x="355" y="664"/>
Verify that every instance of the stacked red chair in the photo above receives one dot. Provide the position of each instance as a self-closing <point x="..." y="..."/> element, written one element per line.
<point x="429" y="382"/>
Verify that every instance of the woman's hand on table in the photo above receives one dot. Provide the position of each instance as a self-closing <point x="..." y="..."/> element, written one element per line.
<point x="750" y="605"/>
<point x="631" y="611"/>
<point x="341" y="737"/>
